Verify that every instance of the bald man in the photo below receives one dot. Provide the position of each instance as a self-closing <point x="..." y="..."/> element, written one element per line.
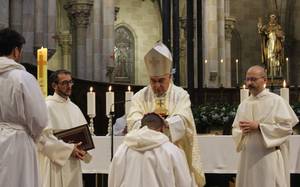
<point x="261" y="129"/>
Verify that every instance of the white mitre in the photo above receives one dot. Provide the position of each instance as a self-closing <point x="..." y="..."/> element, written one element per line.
<point x="158" y="60"/>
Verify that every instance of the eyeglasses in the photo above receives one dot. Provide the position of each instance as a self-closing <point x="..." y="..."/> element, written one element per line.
<point x="65" y="83"/>
<point x="253" y="79"/>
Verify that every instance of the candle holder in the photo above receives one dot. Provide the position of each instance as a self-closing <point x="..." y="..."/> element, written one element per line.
<point x="110" y="124"/>
<point x="91" y="125"/>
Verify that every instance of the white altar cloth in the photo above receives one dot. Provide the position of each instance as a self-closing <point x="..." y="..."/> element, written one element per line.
<point x="217" y="152"/>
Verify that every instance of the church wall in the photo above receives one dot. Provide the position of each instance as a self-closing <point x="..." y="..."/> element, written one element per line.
<point x="295" y="48"/>
<point x="143" y="18"/>
<point x="246" y="13"/>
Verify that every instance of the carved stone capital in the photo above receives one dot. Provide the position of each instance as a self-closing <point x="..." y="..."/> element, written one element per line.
<point x="65" y="41"/>
<point x="79" y="12"/>
<point x="229" y="26"/>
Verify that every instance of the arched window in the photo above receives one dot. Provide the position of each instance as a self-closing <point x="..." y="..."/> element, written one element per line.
<point x="124" y="55"/>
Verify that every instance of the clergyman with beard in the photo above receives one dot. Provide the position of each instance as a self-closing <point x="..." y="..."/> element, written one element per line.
<point x="261" y="131"/>
<point x="60" y="161"/>
<point x="171" y="102"/>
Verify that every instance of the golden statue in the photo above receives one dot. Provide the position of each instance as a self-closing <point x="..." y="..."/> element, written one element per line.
<point x="272" y="46"/>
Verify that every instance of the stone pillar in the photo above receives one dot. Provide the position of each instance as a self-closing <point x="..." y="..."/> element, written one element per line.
<point x="221" y="43"/>
<point x="51" y="30"/>
<point x="4" y="13"/>
<point x="39" y="25"/>
<point x="79" y="13"/>
<point x="15" y="15"/>
<point x="229" y="26"/>
<point x="210" y="40"/>
<point x="65" y="42"/>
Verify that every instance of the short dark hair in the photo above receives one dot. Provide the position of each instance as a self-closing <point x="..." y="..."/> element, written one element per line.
<point x="9" y="40"/>
<point x="152" y="121"/>
<point x="54" y="76"/>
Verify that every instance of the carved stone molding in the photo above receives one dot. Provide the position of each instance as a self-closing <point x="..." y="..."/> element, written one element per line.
<point x="229" y="26"/>
<point x="65" y="41"/>
<point x="79" y="12"/>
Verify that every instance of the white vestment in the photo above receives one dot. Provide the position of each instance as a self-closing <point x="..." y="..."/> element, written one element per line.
<point x="148" y="158"/>
<point x="180" y="120"/>
<point x="23" y="115"/>
<point x="59" y="168"/>
<point x="265" y="152"/>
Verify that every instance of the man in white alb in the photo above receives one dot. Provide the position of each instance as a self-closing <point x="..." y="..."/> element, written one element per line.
<point x="23" y="115"/>
<point x="170" y="101"/>
<point x="261" y="131"/>
<point x="60" y="161"/>
<point x="148" y="158"/>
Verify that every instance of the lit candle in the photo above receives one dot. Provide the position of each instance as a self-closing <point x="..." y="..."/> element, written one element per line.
<point x="91" y="101"/>
<point x="128" y="96"/>
<point x="237" y="71"/>
<point x="284" y="92"/>
<point x="110" y="99"/>
<point x="265" y="87"/>
<point x="42" y="69"/>
<point x="206" y="72"/>
<point x="244" y="93"/>
<point x="287" y="69"/>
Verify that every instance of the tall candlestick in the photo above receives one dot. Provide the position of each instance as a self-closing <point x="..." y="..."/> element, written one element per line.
<point x="284" y="92"/>
<point x="110" y="99"/>
<point x="42" y="69"/>
<point x="244" y="93"/>
<point x="91" y="103"/>
<point x="237" y="71"/>
<point x="128" y="96"/>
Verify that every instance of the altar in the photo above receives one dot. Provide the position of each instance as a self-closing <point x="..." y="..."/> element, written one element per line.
<point x="217" y="152"/>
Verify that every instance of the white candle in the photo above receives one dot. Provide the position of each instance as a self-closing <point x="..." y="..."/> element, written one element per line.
<point x="265" y="86"/>
<point x="287" y="69"/>
<point x="110" y="99"/>
<point x="237" y="71"/>
<point x="91" y="101"/>
<point x="128" y="96"/>
<point x="284" y="92"/>
<point x="206" y="72"/>
<point x="244" y="93"/>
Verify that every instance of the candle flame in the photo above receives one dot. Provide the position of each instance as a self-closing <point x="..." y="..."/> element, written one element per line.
<point x="91" y="89"/>
<point x="205" y="61"/>
<point x="237" y="60"/>
<point x="287" y="59"/>
<point x="244" y="86"/>
<point x="265" y="85"/>
<point x="109" y="88"/>
<point x="284" y="84"/>
<point x="129" y="88"/>
<point x="221" y="61"/>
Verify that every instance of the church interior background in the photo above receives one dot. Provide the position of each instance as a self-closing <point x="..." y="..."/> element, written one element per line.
<point x="103" y="42"/>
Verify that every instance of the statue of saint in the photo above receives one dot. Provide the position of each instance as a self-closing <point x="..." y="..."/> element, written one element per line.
<point x="272" y="46"/>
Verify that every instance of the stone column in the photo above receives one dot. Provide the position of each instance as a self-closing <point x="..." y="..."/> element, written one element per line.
<point x="39" y="25"/>
<point x="65" y="42"/>
<point x="210" y="40"/>
<point x="221" y="43"/>
<point x="229" y="26"/>
<point x="4" y="4"/>
<point x="79" y="13"/>
<point x="15" y="15"/>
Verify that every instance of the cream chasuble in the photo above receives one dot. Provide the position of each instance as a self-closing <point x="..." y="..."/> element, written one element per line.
<point x="265" y="152"/>
<point x="58" y="168"/>
<point x="180" y="120"/>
